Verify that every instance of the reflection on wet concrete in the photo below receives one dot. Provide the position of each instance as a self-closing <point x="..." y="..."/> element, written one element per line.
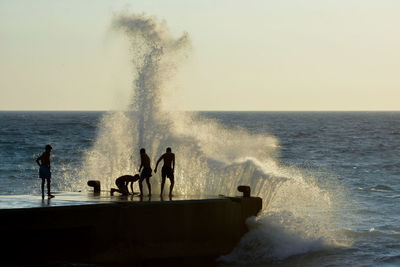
<point x="72" y="199"/>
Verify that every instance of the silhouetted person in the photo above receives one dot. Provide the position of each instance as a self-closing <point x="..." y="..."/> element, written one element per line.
<point x="146" y="172"/>
<point x="44" y="170"/>
<point x="167" y="169"/>
<point x="122" y="184"/>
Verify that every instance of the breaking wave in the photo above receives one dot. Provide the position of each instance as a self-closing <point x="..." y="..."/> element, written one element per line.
<point x="211" y="158"/>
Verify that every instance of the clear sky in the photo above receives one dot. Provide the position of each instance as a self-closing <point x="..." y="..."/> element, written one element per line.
<point x="247" y="55"/>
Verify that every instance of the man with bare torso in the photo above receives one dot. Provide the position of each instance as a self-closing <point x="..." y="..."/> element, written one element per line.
<point x="146" y="173"/>
<point x="44" y="169"/>
<point x="122" y="183"/>
<point x="167" y="169"/>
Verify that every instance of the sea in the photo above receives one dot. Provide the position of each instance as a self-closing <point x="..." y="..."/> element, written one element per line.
<point x="330" y="181"/>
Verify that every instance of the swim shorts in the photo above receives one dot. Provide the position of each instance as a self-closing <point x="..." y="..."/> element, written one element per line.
<point x="167" y="172"/>
<point x="44" y="172"/>
<point x="146" y="173"/>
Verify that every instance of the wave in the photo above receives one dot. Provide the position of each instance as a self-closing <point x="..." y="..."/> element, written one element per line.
<point x="391" y="260"/>
<point x="378" y="188"/>
<point x="371" y="233"/>
<point x="381" y="188"/>
<point x="212" y="159"/>
<point x="276" y="236"/>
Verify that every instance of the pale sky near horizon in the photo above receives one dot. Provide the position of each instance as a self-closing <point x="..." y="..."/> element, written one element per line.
<point x="247" y="55"/>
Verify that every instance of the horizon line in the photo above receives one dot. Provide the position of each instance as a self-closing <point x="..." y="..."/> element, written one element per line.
<point x="204" y="110"/>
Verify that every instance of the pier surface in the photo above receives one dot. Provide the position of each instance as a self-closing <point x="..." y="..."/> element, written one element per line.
<point x="116" y="229"/>
<point x="78" y="198"/>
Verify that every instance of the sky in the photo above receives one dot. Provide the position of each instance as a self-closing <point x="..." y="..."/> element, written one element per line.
<point x="246" y="55"/>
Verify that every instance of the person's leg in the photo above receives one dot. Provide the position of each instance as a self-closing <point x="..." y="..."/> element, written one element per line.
<point x="48" y="187"/>
<point x="148" y="185"/>
<point x="113" y="190"/>
<point x="42" y="187"/>
<point x="121" y="188"/>
<point x="124" y="191"/>
<point x="163" y="176"/>
<point x="141" y="186"/>
<point x="171" y="177"/>
<point x="171" y="187"/>
<point x="162" y="185"/>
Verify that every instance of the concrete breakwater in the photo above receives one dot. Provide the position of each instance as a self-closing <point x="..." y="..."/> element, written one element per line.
<point x="127" y="231"/>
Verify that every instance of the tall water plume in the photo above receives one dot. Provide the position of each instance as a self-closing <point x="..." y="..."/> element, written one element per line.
<point x="211" y="158"/>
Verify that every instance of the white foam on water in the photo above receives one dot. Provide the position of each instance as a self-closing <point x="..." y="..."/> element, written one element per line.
<point x="211" y="159"/>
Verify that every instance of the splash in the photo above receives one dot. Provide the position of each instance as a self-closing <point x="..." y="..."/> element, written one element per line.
<point x="211" y="158"/>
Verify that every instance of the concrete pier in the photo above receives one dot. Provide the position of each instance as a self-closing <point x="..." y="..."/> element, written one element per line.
<point x="105" y="229"/>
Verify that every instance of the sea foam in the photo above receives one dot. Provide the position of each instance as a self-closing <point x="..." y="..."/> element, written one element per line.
<point x="211" y="159"/>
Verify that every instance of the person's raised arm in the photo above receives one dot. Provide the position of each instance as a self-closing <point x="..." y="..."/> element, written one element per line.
<point x="158" y="161"/>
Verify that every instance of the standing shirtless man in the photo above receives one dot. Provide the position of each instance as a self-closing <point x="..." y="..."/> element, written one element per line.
<point x="44" y="169"/>
<point x="146" y="173"/>
<point x="167" y="170"/>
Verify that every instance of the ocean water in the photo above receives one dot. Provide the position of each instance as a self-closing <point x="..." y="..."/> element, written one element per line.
<point x="330" y="180"/>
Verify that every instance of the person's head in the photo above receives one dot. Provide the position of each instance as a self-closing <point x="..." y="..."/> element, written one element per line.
<point x="48" y="148"/>
<point x="142" y="151"/>
<point x="168" y="149"/>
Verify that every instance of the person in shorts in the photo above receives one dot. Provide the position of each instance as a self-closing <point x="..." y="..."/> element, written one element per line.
<point x="44" y="169"/>
<point x="146" y="172"/>
<point x="167" y="169"/>
<point x="123" y="182"/>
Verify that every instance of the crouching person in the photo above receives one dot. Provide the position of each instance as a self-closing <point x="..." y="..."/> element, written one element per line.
<point x="123" y="182"/>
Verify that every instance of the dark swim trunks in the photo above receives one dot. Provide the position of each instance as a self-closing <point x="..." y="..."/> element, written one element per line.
<point x="44" y="172"/>
<point x="167" y="172"/>
<point x="146" y="173"/>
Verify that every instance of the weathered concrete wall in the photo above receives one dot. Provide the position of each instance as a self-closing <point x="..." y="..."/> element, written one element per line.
<point x="127" y="231"/>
